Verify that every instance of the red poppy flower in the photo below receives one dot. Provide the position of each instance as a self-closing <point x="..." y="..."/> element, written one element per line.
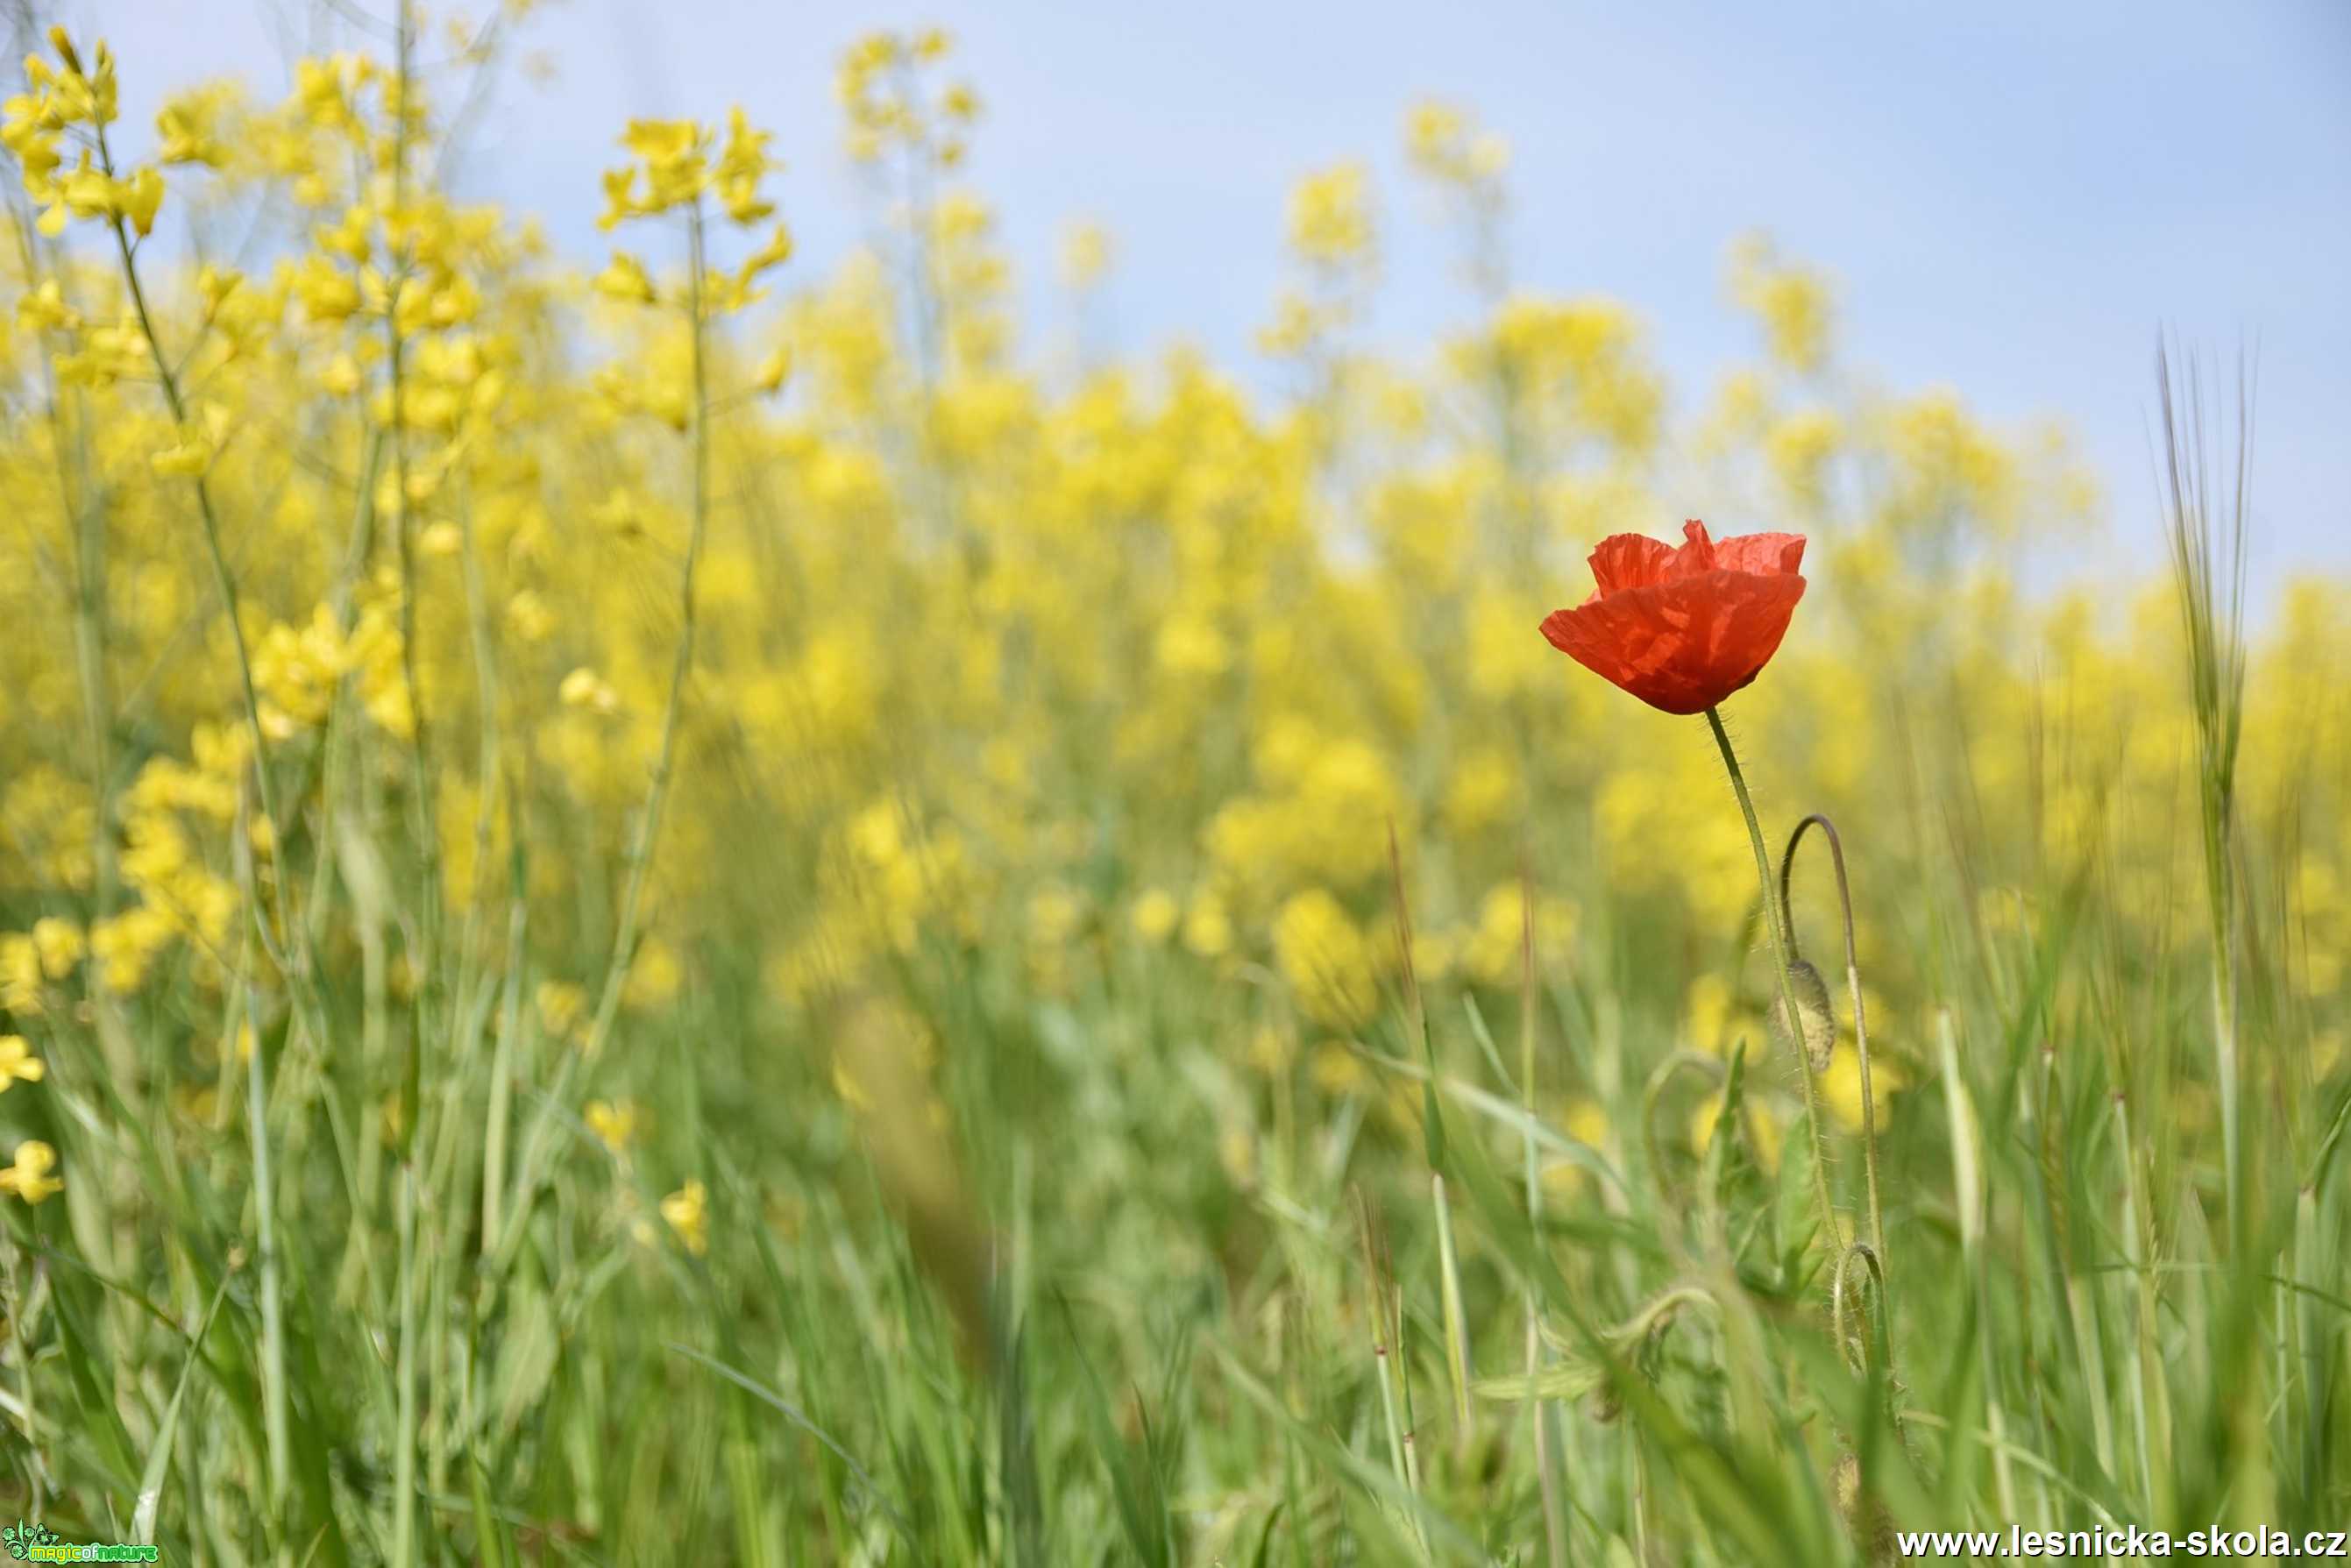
<point x="1683" y="629"/>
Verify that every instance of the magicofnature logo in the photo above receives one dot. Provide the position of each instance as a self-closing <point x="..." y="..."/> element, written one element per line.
<point x="36" y="1543"/>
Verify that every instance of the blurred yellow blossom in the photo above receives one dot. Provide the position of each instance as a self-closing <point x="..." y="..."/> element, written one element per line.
<point x="615" y="1124"/>
<point x="17" y="1063"/>
<point x="687" y="1210"/>
<point x="28" y="1177"/>
<point x="1155" y="914"/>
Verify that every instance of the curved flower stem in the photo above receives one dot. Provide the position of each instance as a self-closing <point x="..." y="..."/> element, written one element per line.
<point x="1831" y="1235"/>
<point x="1860" y="1018"/>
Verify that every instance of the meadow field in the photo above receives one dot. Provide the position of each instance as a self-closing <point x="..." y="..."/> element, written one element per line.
<point x="686" y="909"/>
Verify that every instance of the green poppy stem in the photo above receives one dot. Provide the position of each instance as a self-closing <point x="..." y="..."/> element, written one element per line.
<point x="1860" y="1014"/>
<point x="1830" y="1233"/>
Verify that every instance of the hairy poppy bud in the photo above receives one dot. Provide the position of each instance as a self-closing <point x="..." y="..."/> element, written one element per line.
<point x="1811" y="993"/>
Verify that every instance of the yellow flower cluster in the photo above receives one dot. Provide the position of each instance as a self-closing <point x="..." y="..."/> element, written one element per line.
<point x="62" y="97"/>
<point x="671" y="171"/>
<point x="1443" y="142"/>
<point x="891" y="107"/>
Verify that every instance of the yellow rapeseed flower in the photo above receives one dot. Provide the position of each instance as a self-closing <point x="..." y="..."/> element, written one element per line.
<point x="60" y="943"/>
<point x="29" y="1176"/>
<point x="17" y="1063"/>
<point x="624" y="278"/>
<point x="613" y="1125"/>
<point x="688" y="1212"/>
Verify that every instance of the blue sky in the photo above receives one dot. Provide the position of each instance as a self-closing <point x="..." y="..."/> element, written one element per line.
<point x="2013" y="195"/>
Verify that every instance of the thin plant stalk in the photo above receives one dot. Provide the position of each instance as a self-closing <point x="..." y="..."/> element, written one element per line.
<point x="1967" y="1179"/>
<point x="41" y="1481"/>
<point x="427" y="827"/>
<point x="404" y="1496"/>
<point x="2150" y="1399"/>
<point x="1554" y="1505"/>
<point x="2209" y="572"/>
<point x="499" y="1109"/>
<point x="1384" y="1370"/>
<point x="1403" y="1362"/>
<point x="2311" y="1259"/>
<point x="1780" y="958"/>
<point x="274" y="1423"/>
<point x="1455" y="1319"/>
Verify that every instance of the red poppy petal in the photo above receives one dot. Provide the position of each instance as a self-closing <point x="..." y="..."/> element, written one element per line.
<point x="1695" y="553"/>
<point x="1766" y="555"/>
<point x="1630" y="638"/>
<point x="1629" y="561"/>
<point x="1591" y="634"/>
<point x="1736" y="622"/>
